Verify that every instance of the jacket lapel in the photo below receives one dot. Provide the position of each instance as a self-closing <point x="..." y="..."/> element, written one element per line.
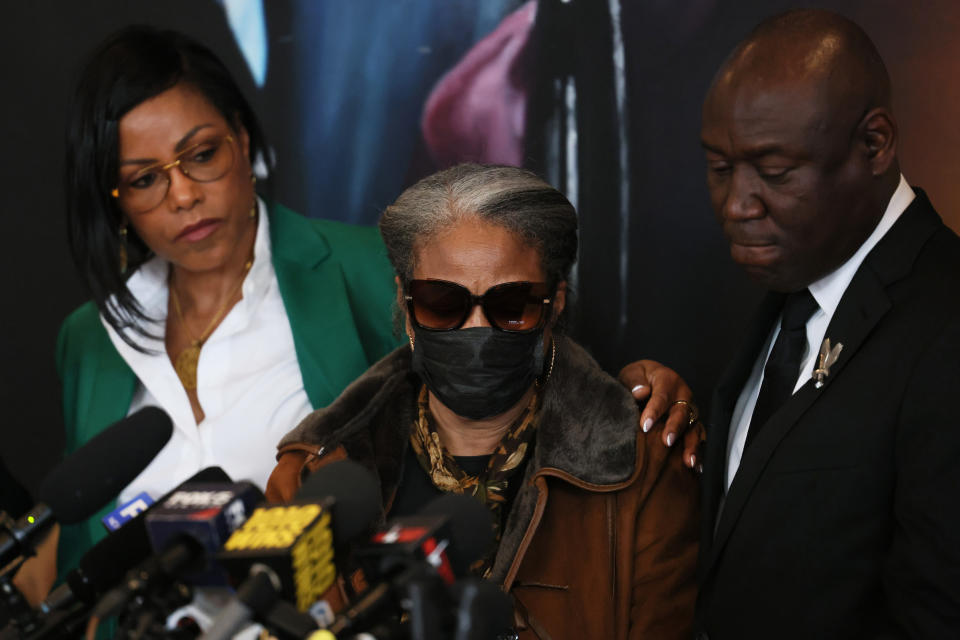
<point x="862" y="306"/>
<point x="109" y="386"/>
<point x="315" y="297"/>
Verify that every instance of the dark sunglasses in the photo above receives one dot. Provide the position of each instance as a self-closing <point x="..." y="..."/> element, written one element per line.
<point x="439" y="305"/>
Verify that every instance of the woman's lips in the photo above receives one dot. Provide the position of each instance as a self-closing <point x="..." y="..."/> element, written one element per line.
<point x="199" y="231"/>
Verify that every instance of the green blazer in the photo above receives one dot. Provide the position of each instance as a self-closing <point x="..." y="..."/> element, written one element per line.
<point x="337" y="288"/>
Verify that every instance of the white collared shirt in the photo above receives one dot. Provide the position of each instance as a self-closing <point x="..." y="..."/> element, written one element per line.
<point x="827" y="291"/>
<point x="248" y="380"/>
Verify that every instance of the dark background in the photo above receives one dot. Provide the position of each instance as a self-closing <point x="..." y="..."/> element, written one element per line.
<point x="654" y="278"/>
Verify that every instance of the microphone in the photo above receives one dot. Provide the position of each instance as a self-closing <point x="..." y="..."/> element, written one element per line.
<point x="185" y="532"/>
<point x="484" y="610"/>
<point x="106" y="563"/>
<point x="201" y="516"/>
<point x="471" y="528"/>
<point x="416" y="558"/>
<point x="287" y="551"/>
<point x="102" y="566"/>
<point x="89" y="478"/>
<point x="355" y="493"/>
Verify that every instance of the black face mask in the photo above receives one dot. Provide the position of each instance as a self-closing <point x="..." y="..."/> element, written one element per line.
<point x="477" y="372"/>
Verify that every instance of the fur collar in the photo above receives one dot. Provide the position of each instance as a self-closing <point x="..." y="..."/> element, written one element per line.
<point x="588" y="425"/>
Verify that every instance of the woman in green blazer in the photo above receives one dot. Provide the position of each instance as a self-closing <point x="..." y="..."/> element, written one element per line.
<point x="170" y="237"/>
<point x="337" y="294"/>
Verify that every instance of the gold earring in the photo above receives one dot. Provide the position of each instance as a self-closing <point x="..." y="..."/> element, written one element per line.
<point x="123" y="248"/>
<point x="253" y="207"/>
<point x="410" y="337"/>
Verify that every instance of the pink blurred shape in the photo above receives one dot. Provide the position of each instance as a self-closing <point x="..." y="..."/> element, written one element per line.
<point x="477" y="110"/>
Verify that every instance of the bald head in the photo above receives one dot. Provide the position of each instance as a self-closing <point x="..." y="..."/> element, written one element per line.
<point x="813" y="46"/>
<point x="801" y="146"/>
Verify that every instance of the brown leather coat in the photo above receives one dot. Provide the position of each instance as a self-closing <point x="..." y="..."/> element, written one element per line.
<point x="601" y="540"/>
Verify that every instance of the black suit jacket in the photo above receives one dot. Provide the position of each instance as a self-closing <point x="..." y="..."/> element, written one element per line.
<point x="842" y="520"/>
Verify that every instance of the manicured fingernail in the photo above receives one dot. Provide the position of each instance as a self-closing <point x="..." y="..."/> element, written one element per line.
<point x="638" y="388"/>
<point x="670" y="438"/>
<point x="693" y="461"/>
<point x="647" y="425"/>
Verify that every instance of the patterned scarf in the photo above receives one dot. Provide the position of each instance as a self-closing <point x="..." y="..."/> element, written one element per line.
<point x="489" y="487"/>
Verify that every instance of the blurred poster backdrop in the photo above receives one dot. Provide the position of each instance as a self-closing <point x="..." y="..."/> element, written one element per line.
<point x="360" y="98"/>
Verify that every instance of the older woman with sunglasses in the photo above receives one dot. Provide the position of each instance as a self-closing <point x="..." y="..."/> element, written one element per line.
<point x="595" y="524"/>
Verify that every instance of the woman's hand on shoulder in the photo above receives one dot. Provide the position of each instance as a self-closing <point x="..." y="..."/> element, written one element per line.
<point x="665" y="396"/>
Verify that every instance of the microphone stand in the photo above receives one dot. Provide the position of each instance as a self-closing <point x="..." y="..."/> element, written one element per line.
<point x="14" y="608"/>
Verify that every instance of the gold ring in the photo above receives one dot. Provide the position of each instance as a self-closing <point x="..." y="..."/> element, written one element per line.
<point x="692" y="410"/>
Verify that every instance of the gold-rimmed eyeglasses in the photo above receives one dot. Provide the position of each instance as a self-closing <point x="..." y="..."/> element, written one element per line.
<point x="205" y="161"/>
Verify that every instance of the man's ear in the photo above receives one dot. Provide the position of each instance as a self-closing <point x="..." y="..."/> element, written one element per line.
<point x="879" y="136"/>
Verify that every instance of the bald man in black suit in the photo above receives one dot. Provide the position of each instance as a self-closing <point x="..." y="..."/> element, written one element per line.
<point x="832" y="472"/>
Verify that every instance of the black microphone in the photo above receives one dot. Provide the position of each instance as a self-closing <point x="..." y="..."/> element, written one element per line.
<point x="484" y="611"/>
<point x="417" y="559"/>
<point x="286" y="552"/>
<point x="471" y="526"/>
<point x="89" y="478"/>
<point x="355" y="493"/>
<point x="106" y="563"/>
<point x="186" y="530"/>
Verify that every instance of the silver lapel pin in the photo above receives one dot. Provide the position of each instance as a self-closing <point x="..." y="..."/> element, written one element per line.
<point x="827" y="358"/>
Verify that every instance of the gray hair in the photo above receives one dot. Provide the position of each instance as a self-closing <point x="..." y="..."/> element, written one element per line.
<point x="507" y="196"/>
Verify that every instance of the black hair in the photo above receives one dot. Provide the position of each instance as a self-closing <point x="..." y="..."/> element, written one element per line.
<point x="132" y="65"/>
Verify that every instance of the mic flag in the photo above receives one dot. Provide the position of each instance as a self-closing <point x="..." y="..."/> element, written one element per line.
<point x="423" y="538"/>
<point x="204" y="514"/>
<point x="294" y="541"/>
<point x="127" y="511"/>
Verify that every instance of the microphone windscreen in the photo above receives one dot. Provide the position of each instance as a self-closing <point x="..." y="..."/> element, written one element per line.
<point x="471" y="528"/>
<point x="105" y="563"/>
<point x="99" y="470"/>
<point x="356" y="494"/>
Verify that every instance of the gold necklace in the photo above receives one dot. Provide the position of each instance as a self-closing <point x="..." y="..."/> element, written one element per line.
<point x="185" y="364"/>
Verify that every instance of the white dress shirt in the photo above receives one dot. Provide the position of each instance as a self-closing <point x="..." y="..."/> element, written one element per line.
<point x="248" y="380"/>
<point x="827" y="291"/>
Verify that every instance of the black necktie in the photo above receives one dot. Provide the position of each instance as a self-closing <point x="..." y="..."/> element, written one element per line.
<point x="783" y="366"/>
